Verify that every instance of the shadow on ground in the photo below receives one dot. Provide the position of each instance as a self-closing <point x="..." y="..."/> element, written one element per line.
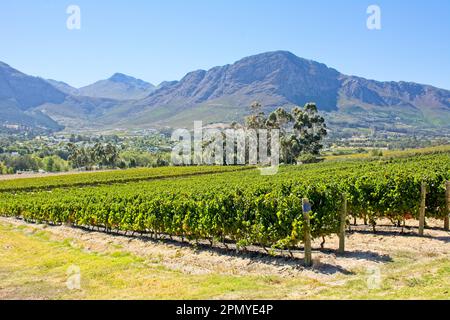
<point x="257" y="254"/>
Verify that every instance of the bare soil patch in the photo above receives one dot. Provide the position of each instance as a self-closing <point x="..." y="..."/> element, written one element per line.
<point x="363" y="249"/>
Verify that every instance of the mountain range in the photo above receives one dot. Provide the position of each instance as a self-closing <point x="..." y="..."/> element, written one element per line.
<point x="118" y="87"/>
<point x="220" y="95"/>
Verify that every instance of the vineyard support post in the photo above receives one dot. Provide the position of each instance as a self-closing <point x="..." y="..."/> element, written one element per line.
<point x="306" y="207"/>
<point x="423" y="197"/>
<point x="447" y="202"/>
<point x="343" y="225"/>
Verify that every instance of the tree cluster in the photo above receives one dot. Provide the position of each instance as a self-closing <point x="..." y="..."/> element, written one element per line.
<point x="98" y="155"/>
<point x="301" y="130"/>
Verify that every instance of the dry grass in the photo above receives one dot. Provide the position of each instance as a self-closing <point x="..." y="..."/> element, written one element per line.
<point x="34" y="261"/>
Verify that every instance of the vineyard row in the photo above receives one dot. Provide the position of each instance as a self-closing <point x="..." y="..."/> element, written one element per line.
<point x="246" y="208"/>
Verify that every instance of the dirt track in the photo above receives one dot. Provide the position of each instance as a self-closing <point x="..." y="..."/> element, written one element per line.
<point x="363" y="249"/>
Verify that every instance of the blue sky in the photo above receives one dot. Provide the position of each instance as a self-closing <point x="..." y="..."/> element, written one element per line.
<point x="158" y="40"/>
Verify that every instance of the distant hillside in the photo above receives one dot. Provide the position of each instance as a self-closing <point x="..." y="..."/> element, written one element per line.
<point x="407" y="102"/>
<point x="20" y="94"/>
<point x="118" y="87"/>
<point x="223" y="94"/>
<point x="64" y="87"/>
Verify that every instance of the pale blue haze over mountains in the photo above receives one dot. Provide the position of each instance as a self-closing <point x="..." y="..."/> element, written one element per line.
<point x="222" y="94"/>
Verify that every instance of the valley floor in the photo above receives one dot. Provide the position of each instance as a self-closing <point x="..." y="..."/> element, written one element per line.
<point x="39" y="262"/>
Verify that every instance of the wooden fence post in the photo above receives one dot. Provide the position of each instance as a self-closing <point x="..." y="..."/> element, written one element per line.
<point x="343" y="225"/>
<point x="447" y="201"/>
<point x="306" y="207"/>
<point x="423" y="197"/>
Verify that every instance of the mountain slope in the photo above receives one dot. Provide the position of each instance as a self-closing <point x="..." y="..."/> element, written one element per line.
<point x="278" y="74"/>
<point x="223" y="94"/>
<point x="118" y="87"/>
<point x="64" y="87"/>
<point x="20" y="94"/>
<point x="280" y="78"/>
<point x="36" y="103"/>
<point x="79" y="112"/>
<point x="407" y="101"/>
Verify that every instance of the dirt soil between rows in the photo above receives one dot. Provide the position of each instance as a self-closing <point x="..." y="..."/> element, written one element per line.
<point x="364" y="249"/>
